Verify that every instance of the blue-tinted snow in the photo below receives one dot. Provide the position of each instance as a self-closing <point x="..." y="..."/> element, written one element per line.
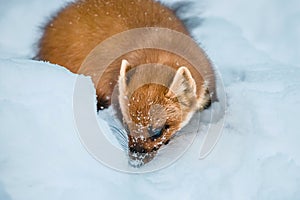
<point x="254" y="45"/>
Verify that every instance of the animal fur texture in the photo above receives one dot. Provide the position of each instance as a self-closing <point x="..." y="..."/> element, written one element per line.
<point x="152" y="113"/>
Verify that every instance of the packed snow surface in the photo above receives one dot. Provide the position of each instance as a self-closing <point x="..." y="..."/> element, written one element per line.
<point x="255" y="46"/>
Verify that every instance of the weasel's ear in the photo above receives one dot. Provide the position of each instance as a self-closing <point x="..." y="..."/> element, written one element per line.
<point x="183" y="87"/>
<point x="124" y="68"/>
<point x="122" y="78"/>
<point x="123" y="92"/>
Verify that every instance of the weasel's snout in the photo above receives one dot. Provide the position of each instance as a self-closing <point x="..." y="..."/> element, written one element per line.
<point x="137" y="149"/>
<point x="138" y="156"/>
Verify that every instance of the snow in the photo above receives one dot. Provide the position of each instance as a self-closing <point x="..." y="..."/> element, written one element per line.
<point x="255" y="47"/>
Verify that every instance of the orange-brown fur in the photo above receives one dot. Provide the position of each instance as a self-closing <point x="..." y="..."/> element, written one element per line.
<point x="78" y="28"/>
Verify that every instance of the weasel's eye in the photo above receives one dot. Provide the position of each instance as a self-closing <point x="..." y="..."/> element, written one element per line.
<point x="156" y="133"/>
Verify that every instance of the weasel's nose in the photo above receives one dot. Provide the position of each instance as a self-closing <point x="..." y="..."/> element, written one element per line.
<point x="137" y="149"/>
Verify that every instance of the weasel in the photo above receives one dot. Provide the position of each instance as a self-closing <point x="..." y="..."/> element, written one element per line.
<point x="152" y="113"/>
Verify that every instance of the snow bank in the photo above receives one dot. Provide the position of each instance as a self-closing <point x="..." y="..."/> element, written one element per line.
<point x="257" y="157"/>
<point x="272" y="26"/>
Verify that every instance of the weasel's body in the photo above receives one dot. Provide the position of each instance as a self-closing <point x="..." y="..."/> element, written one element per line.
<point x="77" y="29"/>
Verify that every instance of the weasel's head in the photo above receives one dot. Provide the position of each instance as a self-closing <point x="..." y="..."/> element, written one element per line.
<point x="153" y="113"/>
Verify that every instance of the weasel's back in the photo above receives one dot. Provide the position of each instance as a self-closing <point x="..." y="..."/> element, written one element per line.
<point x="81" y="26"/>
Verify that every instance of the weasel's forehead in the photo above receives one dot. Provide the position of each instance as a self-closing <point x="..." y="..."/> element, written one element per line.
<point x="154" y="115"/>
